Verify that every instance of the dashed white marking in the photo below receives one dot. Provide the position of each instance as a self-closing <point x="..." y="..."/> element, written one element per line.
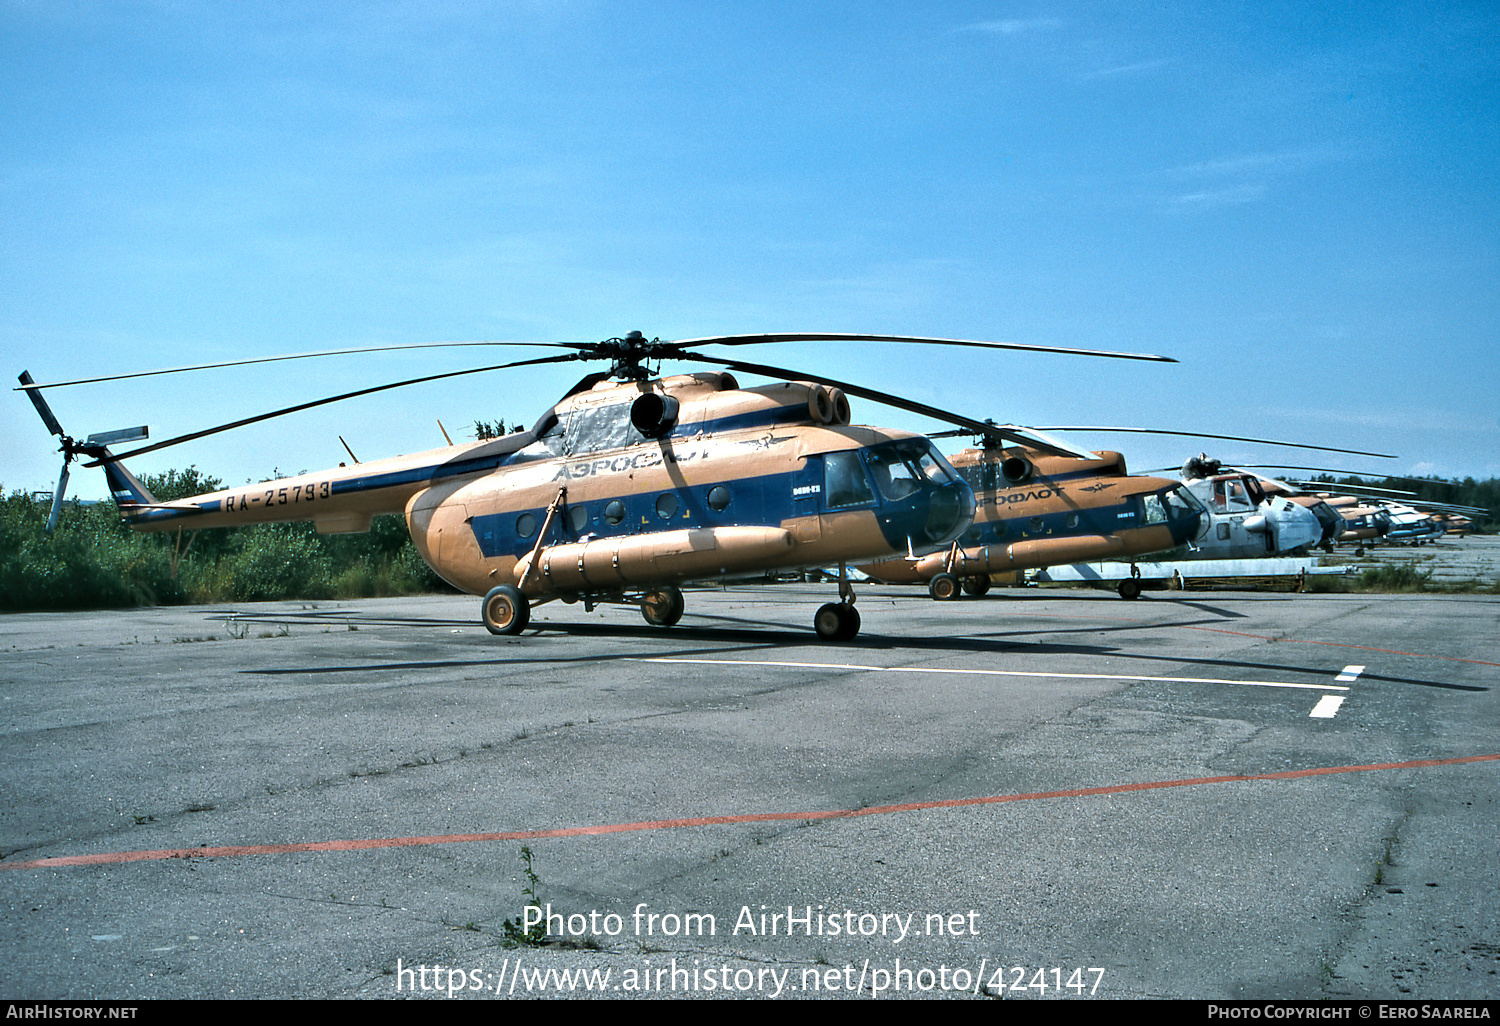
<point x="1327" y="706"/>
<point x="1350" y="673"/>
<point x="1001" y="673"/>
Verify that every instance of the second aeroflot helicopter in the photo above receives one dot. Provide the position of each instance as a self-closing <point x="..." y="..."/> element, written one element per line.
<point x="1036" y="510"/>
<point x="629" y="486"/>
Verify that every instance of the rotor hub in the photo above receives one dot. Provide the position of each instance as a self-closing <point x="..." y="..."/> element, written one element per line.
<point x="627" y="356"/>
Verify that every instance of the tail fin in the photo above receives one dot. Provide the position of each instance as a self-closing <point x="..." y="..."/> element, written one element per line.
<point x="129" y="494"/>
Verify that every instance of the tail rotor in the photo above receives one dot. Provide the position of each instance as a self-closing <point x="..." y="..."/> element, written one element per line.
<point x="92" y="446"/>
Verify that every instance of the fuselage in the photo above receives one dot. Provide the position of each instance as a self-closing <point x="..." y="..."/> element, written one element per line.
<point x="623" y="486"/>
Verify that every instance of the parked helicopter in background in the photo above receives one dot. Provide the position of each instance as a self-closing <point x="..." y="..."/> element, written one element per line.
<point x="1363" y="525"/>
<point x="1406" y="519"/>
<point x="629" y="486"/>
<point x="1035" y="510"/>
<point x="1248" y="520"/>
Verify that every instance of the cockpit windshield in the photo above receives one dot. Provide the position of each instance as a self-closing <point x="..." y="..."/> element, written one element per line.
<point x="1180" y="502"/>
<point x="900" y="467"/>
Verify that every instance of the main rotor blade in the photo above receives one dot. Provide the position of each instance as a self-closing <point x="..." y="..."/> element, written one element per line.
<point x="31" y="389"/>
<point x="324" y="402"/>
<point x="1328" y="486"/>
<point x="836" y="336"/>
<point x="40" y="404"/>
<point x="911" y="406"/>
<point x="1227" y="438"/>
<point x="1316" y="470"/>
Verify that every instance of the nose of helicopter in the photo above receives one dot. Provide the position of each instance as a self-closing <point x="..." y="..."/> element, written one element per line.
<point x="925" y="503"/>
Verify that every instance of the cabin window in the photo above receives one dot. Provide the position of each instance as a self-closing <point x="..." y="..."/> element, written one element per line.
<point x="526" y="525"/>
<point x="666" y="505"/>
<point x="718" y="498"/>
<point x="1071" y="521"/>
<point x="614" y="512"/>
<point x="1155" y="512"/>
<point x="1223" y="532"/>
<point x="1036" y="525"/>
<point x="578" y="518"/>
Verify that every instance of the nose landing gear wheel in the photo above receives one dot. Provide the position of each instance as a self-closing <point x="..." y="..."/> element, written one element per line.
<point x="836" y="621"/>
<point x="505" y="610"/>
<point x="663" y="607"/>
<point x="1130" y="588"/>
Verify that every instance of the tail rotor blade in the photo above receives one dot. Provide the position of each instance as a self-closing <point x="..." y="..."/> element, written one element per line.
<point x="40" y="404"/>
<point x="57" y="498"/>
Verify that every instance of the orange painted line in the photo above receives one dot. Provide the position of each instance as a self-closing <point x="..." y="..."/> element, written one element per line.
<point x="112" y="858"/>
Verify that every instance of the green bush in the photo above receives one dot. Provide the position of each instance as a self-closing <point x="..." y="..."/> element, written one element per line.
<point x="92" y="560"/>
<point x="1395" y="577"/>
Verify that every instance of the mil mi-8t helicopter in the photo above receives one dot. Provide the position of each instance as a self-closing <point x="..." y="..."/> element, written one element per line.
<point x="1036" y="510"/>
<point x="629" y="486"/>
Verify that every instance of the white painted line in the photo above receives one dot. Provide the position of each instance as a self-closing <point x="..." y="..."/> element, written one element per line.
<point x="1000" y="673"/>
<point x="1351" y="673"/>
<point x="1327" y="706"/>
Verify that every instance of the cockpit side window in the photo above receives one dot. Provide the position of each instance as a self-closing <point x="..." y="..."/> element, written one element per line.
<point x="1239" y="497"/>
<point x="844" y="481"/>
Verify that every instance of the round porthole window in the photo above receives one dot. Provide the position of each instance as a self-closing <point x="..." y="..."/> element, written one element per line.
<point x="614" y="512"/>
<point x="526" y="525"/>
<point x="718" y="498"/>
<point x="666" y="505"/>
<point x="1071" y="521"/>
<point x="578" y="517"/>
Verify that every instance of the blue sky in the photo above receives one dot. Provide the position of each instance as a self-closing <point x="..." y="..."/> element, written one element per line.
<point x="1300" y="202"/>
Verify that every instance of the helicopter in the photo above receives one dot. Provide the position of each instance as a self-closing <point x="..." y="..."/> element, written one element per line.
<point x="1036" y="510"/>
<point x="629" y="486"/>
<point x="1090" y="509"/>
<point x="1249" y="518"/>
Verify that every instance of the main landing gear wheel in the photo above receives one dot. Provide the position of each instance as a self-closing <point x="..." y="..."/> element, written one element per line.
<point x="663" y="607"/>
<point x="976" y="585"/>
<point x="944" y="587"/>
<point x="1130" y="588"/>
<point x="837" y="621"/>
<point x="505" y="610"/>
